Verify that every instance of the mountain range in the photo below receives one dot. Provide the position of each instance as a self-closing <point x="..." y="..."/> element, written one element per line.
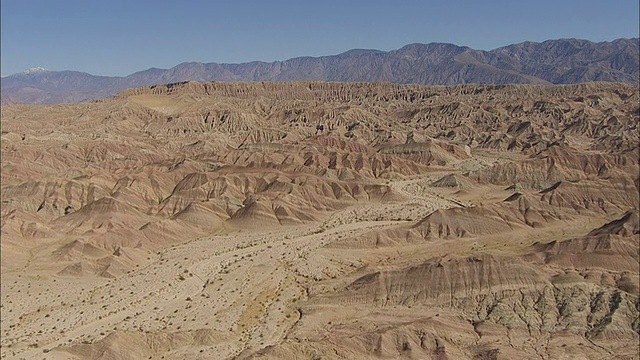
<point x="560" y="61"/>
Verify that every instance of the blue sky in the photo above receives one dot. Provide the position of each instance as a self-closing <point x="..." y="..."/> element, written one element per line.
<point x="118" y="37"/>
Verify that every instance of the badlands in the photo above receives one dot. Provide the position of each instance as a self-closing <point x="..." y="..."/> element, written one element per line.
<point x="313" y="220"/>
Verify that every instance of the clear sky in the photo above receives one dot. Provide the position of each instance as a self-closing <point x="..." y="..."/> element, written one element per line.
<point x="118" y="37"/>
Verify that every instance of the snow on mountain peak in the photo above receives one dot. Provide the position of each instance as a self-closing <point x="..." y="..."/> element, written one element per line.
<point x="34" y="70"/>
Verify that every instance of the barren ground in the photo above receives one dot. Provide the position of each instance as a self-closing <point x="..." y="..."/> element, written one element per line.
<point x="323" y="221"/>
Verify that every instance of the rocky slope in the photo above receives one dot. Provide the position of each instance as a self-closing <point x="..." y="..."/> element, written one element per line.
<point x="323" y="220"/>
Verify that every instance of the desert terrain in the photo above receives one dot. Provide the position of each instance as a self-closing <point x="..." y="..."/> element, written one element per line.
<point x="320" y="220"/>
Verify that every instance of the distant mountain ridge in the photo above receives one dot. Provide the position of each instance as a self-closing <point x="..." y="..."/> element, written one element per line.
<point x="560" y="61"/>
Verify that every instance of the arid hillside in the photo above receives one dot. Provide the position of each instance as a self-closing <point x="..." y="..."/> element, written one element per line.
<point x="319" y="220"/>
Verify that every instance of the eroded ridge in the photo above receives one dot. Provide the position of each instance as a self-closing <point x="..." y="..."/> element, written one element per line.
<point x="323" y="220"/>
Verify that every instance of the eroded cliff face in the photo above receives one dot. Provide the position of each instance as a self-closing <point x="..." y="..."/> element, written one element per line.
<point x="326" y="220"/>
